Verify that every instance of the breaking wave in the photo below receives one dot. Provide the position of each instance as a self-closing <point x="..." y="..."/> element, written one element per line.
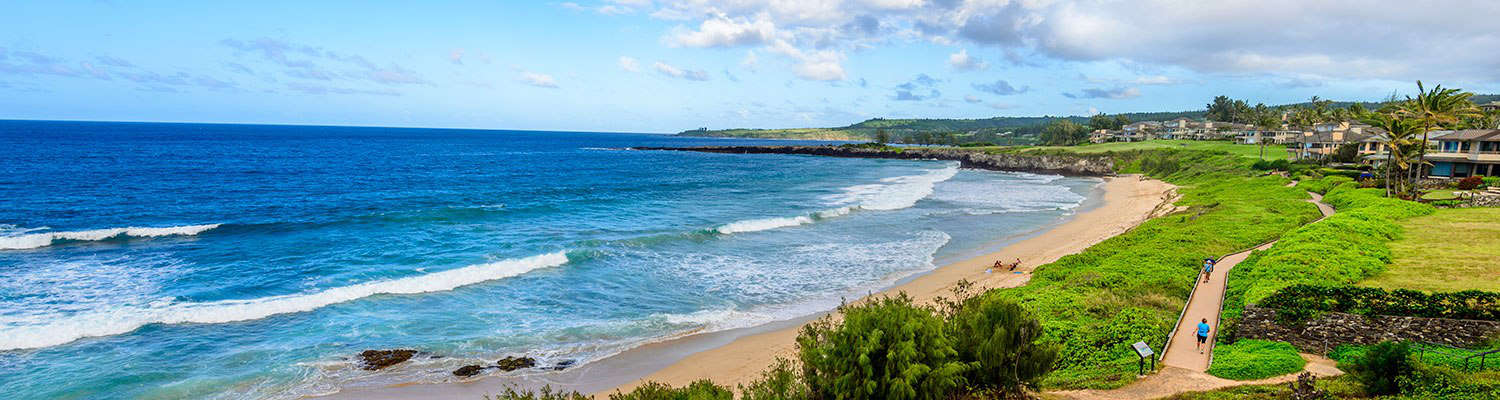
<point x="44" y="239"/>
<point x="56" y="331"/>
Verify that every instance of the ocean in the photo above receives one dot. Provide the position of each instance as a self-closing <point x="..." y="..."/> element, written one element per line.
<point x="167" y="261"/>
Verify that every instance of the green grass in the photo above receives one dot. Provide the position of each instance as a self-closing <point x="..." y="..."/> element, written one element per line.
<point x="1345" y="248"/>
<point x="1131" y="287"/>
<point x="1451" y="250"/>
<point x="1252" y="359"/>
<point x="1340" y="387"/>
<point x="1272" y="152"/>
<point x="1440" y="194"/>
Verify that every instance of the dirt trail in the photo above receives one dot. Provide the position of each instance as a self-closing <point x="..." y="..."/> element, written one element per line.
<point x="1184" y="362"/>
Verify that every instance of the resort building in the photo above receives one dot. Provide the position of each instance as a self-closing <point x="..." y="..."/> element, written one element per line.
<point x="1459" y="154"/>
<point x="1325" y="139"/>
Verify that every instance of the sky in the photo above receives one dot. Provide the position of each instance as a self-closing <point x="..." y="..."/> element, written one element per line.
<point x="672" y="65"/>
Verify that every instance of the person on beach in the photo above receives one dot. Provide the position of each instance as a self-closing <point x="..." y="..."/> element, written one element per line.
<point x="1013" y="266"/>
<point x="1202" y="334"/>
<point x="1208" y="268"/>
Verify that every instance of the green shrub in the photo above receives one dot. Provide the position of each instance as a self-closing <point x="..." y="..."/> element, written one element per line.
<point x="1438" y="382"/>
<point x="702" y="389"/>
<point x="1299" y="302"/>
<point x="1491" y="181"/>
<point x="1001" y="342"/>
<point x="781" y="382"/>
<point x="1277" y="165"/>
<point x="1322" y="186"/>
<point x="1255" y="359"/>
<point x="885" y="348"/>
<point x="545" y="394"/>
<point x="1381" y="365"/>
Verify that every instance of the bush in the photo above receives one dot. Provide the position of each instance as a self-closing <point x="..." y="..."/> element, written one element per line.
<point x="1470" y="183"/>
<point x="1299" y="302"/>
<point x="1491" y="181"/>
<point x="781" y="382"/>
<point x="1438" y="382"/>
<point x="545" y="394"/>
<point x="1277" y="165"/>
<point x="698" y="390"/>
<point x="1322" y="186"/>
<point x="1002" y="343"/>
<point x="1381" y="365"/>
<point x="885" y="348"/>
<point x="1255" y="359"/>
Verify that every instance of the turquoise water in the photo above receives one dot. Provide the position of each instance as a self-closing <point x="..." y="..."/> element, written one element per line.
<point x="236" y="261"/>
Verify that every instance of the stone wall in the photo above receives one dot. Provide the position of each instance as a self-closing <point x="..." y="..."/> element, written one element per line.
<point x="1052" y="164"/>
<point x="1332" y="329"/>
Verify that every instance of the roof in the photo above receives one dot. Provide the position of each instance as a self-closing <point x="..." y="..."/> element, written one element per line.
<point x="1327" y="137"/>
<point x="1467" y="134"/>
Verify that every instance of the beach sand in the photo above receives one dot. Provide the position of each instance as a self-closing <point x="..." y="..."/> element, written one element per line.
<point x="738" y="356"/>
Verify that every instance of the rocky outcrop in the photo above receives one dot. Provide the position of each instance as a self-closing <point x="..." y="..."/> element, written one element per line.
<point x="377" y="359"/>
<point x="468" y="370"/>
<point x="509" y="363"/>
<point x="1331" y="329"/>
<point x="1071" y="165"/>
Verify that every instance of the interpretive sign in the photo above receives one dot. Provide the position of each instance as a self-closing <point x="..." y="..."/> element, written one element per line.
<point x="1142" y="349"/>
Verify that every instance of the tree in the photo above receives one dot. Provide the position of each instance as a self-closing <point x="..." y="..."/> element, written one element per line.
<point x="1399" y="135"/>
<point x="1266" y="120"/>
<point x="886" y="348"/>
<point x="1381" y="366"/>
<point x="1224" y="109"/>
<point x="1062" y="132"/>
<point x="881" y="136"/>
<point x="1003" y="342"/>
<point x="1436" y="108"/>
<point x="1101" y="121"/>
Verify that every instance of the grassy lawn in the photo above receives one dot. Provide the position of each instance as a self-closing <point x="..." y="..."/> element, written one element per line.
<point x="1454" y="249"/>
<point x="1273" y="152"/>
<point x="1441" y="194"/>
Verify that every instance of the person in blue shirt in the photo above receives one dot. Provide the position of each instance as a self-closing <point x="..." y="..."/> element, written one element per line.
<point x="1208" y="268"/>
<point x="1202" y="334"/>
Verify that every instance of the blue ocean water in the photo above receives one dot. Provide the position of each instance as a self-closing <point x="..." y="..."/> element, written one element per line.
<point x="142" y="260"/>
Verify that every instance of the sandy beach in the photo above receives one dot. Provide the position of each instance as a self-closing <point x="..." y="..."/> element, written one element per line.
<point x="738" y="356"/>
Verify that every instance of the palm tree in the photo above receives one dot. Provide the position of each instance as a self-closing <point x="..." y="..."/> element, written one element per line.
<point x="1399" y="134"/>
<point x="1266" y="120"/>
<point x="1435" y="108"/>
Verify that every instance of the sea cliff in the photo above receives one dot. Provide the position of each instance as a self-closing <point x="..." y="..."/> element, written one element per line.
<point x="1070" y="165"/>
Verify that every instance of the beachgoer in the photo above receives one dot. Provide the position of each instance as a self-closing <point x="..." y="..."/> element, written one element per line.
<point x="1208" y="268"/>
<point x="1202" y="334"/>
<point x="1015" y="265"/>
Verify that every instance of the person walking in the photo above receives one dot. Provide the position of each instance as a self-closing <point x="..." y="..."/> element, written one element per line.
<point x="1208" y="268"/>
<point x="1202" y="334"/>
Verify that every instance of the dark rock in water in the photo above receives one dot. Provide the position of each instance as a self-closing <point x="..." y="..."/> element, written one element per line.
<point x="376" y="359"/>
<point x="509" y="363"/>
<point x="1062" y="164"/>
<point x="468" y="370"/>
<point x="561" y="365"/>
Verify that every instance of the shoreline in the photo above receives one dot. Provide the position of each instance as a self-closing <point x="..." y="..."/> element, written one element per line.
<point x="737" y="356"/>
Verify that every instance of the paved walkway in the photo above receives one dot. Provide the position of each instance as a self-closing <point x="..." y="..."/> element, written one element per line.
<point x="1184" y="362"/>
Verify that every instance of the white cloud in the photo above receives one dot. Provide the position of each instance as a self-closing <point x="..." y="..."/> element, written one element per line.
<point x="963" y="62"/>
<point x="630" y="64"/>
<point x="721" y="31"/>
<point x="673" y="71"/>
<point x="1326" y="39"/>
<point x="538" y="80"/>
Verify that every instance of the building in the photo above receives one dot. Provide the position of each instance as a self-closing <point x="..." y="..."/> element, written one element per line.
<point x="1325" y="139"/>
<point x="1464" y="153"/>
<point x="1491" y="106"/>
<point x="1139" y="131"/>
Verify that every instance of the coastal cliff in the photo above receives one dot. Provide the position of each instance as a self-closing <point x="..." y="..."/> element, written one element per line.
<point x="1070" y="165"/>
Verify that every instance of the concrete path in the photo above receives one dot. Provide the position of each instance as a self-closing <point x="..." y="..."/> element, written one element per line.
<point x="1184" y="361"/>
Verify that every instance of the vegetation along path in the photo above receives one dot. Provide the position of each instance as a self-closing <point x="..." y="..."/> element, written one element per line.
<point x="1184" y="365"/>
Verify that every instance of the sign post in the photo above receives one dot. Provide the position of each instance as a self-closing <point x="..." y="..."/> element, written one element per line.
<point x="1144" y="350"/>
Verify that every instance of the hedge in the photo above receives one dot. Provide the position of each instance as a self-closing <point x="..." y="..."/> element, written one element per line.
<point x="1299" y="302"/>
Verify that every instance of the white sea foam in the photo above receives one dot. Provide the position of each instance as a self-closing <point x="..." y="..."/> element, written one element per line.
<point x="756" y="225"/>
<point x="35" y="240"/>
<point x="56" y="331"/>
<point x="894" y="193"/>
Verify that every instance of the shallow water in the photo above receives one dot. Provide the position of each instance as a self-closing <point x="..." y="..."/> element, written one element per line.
<point x="232" y="261"/>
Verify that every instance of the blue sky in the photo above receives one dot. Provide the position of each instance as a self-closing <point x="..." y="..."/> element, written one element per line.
<point x="669" y="65"/>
